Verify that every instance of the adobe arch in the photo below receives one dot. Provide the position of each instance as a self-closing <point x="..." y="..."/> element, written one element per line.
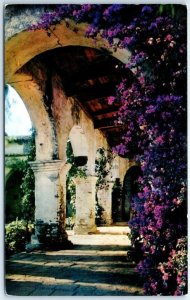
<point x="51" y="123"/>
<point x="20" y="49"/>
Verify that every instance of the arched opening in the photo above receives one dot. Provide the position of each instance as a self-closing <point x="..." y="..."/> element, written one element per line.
<point x="19" y="145"/>
<point x="77" y="156"/>
<point x="79" y="145"/>
<point x="70" y="188"/>
<point x="13" y="196"/>
<point x="17" y="119"/>
<point x="117" y="214"/>
<point x="130" y="188"/>
<point x="75" y="78"/>
<point x="27" y="83"/>
<point x="87" y="75"/>
<point x="103" y="164"/>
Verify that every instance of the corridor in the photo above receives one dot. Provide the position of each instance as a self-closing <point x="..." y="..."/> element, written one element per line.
<point x="97" y="265"/>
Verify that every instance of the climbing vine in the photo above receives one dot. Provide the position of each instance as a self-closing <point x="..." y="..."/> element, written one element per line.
<point x="153" y="111"/>
<point x="103" y="164"/>
<point x="28" y="183"/>
<point x="74" y="171"/>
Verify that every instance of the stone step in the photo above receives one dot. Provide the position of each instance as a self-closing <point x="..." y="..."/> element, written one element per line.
<point x="113" y="230"/>
<point x="103" y="236"/>
<point x="120" y="224"/>
<point x="107" y="230"/>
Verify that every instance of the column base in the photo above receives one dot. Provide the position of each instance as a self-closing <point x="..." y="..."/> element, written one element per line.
<point x="109" y="222"/>
<point x="48" y="236"/>
<point x="34" y="244"/>
<point x="84" y="229"/>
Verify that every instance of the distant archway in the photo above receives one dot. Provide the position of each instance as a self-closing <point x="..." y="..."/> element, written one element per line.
<point x="79" y="145"/>
<point x="130" y="188"/>
<point x="77" y="156"/>
<point x="70" y="188"/>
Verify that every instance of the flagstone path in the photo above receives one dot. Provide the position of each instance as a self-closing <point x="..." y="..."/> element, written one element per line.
<point x="96" y="266"/>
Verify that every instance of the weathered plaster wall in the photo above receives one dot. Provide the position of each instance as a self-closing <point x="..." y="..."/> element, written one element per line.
<point x="67" y="113"/>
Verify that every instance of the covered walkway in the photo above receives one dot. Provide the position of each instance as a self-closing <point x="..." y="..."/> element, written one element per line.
<point x="98" y="265"/>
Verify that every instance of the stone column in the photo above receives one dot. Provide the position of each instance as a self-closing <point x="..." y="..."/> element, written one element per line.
<point x="85" y="205"/>
<point x="105" y="202"/>
<point x="47" y="204"/>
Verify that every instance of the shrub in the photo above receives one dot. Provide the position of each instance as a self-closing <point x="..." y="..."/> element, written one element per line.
<point x="17" y="234"/>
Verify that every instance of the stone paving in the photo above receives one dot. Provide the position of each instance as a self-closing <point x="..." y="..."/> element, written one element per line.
<point x="96" y="266"/>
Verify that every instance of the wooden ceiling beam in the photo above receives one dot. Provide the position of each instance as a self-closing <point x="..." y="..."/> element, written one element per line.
<point x="90" y="70"/>
<point x="110" y="109"/>
<point x="104" y="123"/>
<point x="95" y="91"/>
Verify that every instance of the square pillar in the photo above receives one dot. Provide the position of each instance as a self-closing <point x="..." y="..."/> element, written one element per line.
<point x="105" y="202"/>
<point x="85" y="205"/>
<point x="47" y="204"/>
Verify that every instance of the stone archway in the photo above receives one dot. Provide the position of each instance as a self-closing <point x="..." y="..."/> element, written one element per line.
<point x="70" y="189"/>
<point x="130" y="188"/>
<point x="77" y="157"/>
<point x="79" y="144"/>
<point x="20" y="49"/>
<point x="51" y="110"/>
